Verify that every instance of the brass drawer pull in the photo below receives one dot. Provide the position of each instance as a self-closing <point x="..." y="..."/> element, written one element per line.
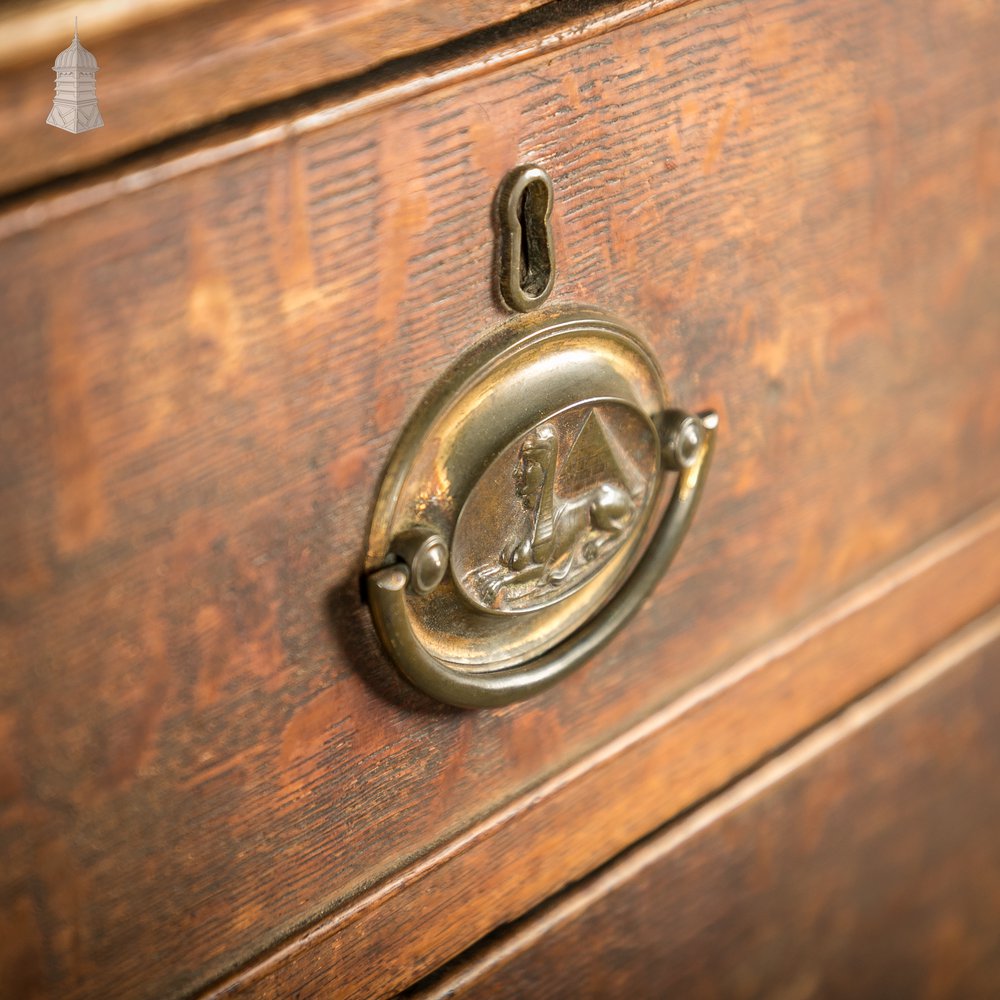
<point x="523" y="518"/>
<point x="518" y="525"/>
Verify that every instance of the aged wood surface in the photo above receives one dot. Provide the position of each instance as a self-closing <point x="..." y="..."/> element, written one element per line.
<point x="863" y="863"/>
<point x="588" y="813"/>
<point x="173" y="65"/>
<point x="204" y="748"/>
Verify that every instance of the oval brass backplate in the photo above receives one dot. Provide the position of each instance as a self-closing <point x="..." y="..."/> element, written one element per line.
<point x="522" y="497"/>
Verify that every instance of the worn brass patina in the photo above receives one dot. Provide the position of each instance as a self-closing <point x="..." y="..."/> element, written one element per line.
<point x="530" y="506"/>
<point x="554" y="506"/>
<point x="527" y="265"/>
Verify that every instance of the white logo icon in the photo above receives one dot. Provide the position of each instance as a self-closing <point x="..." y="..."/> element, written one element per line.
<point x="75" y="105"/>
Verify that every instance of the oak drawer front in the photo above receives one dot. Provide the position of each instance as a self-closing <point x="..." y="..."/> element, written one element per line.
<point x="167" y="67"/>
<point x="861" y="863"/>
<point x="208" y="359"/>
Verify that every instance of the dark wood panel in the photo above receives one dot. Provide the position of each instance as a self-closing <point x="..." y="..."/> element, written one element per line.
<point x="205" y="363"/>
<point x="864" y="863"/>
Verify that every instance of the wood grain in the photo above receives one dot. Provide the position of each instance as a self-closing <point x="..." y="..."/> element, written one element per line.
<point x="586" y="814"/>
<point x="206" y="361"/>
<point x="174" y="65"/>
<point x="863" y="863"/>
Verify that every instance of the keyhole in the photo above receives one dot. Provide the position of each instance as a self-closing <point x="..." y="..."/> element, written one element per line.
<point x="527" y="260"/>
<point x="536" y="264"/>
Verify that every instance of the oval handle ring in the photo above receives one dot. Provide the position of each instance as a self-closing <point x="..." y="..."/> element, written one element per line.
<point x="482" y="689"/>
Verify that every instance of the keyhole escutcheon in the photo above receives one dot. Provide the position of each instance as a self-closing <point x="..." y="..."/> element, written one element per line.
<point x="527" y="269"/>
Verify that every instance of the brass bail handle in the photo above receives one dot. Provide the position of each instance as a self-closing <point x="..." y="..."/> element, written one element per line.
<point x="687" y="446"/>
<point x="610" y="395"/>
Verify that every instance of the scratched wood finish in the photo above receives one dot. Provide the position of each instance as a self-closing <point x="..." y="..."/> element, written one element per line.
<point x="204" y="747"/>
<point x="865" y="863"/>
<point x="174" y="65"/>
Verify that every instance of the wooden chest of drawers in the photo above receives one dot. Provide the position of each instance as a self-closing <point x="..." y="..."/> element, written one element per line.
<point x="216" y="321"/>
